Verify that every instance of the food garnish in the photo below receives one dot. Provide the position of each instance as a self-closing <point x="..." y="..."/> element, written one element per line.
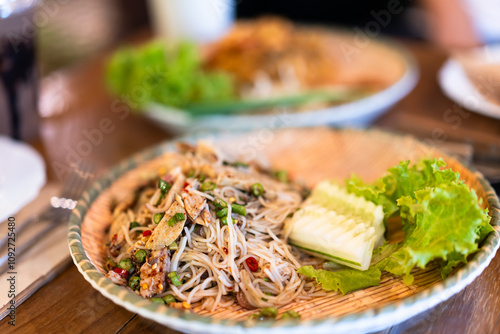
<point x="337" y="226"/>
<point x="441" y="217"/>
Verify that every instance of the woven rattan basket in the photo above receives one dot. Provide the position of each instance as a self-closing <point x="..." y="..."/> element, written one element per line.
<point x="309" y="155"/>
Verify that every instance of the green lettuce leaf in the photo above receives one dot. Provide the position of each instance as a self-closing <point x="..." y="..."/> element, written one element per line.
<point x="346" y="280"/>
<point x="402" y="180"/>
<point x="173" y="77"/>
<point x="441" y="217"/>
<point x="441" y="223"/>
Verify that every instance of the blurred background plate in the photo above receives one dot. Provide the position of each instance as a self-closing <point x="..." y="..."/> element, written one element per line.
<point x="375" y="59"/>
<point x="471" y="80"/>
<point x="22" y="175"/>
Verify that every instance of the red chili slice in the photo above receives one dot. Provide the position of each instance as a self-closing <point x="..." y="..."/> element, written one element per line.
<point x="252" y="264"/>
<point x="146" y="233"/>
<point x="122" y="272"/>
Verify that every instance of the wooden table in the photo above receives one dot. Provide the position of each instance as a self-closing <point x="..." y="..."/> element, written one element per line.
<point x="70" y="304"/>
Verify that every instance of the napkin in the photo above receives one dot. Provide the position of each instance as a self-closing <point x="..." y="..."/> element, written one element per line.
<point x="42" y="262"/>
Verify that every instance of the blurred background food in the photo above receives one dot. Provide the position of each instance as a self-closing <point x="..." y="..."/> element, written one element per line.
<point x="72" y="29"/>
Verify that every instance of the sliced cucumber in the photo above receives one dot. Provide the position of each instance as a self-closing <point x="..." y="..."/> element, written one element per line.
<point x="337" y="226"/>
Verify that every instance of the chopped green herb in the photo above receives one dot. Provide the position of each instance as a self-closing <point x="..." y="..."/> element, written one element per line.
<point x="266" y="313"/>
<point x="220" y="204"/>
<point x="291" y="314"/>
<point x="235" y="164"/>
<point x="133" y="225"/>
<point x="257" y="189"/>
<point x="164" y="186"/>
<point x="157" y="217"/>
<point x="126" y="264"/>
<point x="266" y="279"/>
<point x="202" y="177"/>
<point x="207" y="186"/>
<point x="110" y="264"/>
<point x="173" y="246"/>
<point x="140" y="256"/>
<point x="264" y="299"/>
<point x="175" y="219"/>
<point x="223" y="220"/>
<point x="281" y="175"/>
<point x="134" y="282"/>
<point x="174" y="278"/>
<point x="162" y="196"/>
<point x="169" y="299"/>
<point x="239" y="209"/>
<point x="157" y="300"/>
<point x="190" y="173"/>
<point x="269" y="312"/>
<point x="221" y="213"/>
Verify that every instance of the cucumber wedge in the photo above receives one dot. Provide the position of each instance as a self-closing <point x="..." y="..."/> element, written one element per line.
<point x="337" y="226"/>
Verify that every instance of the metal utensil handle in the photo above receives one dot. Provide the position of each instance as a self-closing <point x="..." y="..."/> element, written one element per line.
<point x="25" y="246"/>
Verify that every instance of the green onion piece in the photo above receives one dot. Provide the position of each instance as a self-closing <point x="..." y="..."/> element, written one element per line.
<point x="169" y="299"/>
<point x="221" y="213"/>
<point x="164" y="186"/>
<point x="264" y="299"/>
<point x="157" y="217"/>
<point x="175" y="219"/>
<point x="157" y="300"/>
<point x="239" y="209"/>
<point x="173" y="246"/>
<point x="235" y="164"/>
<point x="160" y="199"/>
<point x="132" y="225"/>
<point x="134" y="282"/>
<point x="290" y="315"/>
<point x="206" y="186"/>
<point x="140" y="256"/>
<point x="191" y="173"/>
<point x="268" y="294"/>
<point x="110" y="264"/>
<point x="202" y="177"/>
<point x="220" y="204"/>
<point x="126" y="264"/>
<point x="174" y="278"/>
<point x="266" y="279"/>
<point x="281" y="175"/>
<point x="269" y="312"/>
<point x="257" y="189"/>
<point x="223" y="220"/>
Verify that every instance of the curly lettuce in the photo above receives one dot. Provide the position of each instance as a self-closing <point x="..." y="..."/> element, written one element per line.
<point x="172" y="77"/>
<point x="441" y="217"/>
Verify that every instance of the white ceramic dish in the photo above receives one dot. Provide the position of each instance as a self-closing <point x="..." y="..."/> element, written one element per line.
<point x="457" y="86"/>
<point x="22" y="175"/>
<point x="359" y="113"/>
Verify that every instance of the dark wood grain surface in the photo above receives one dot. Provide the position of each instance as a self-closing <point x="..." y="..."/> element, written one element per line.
<point x="69" y="304"/>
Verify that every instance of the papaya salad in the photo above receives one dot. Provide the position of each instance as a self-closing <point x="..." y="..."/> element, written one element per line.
<point x="209" y="230"/>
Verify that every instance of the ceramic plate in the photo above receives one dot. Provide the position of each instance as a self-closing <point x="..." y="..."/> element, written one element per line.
<point x="359" y="113"/>
<point x="22" y="175"/>
<point x="310" y="155"/>
<point x="458" y="87"/>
